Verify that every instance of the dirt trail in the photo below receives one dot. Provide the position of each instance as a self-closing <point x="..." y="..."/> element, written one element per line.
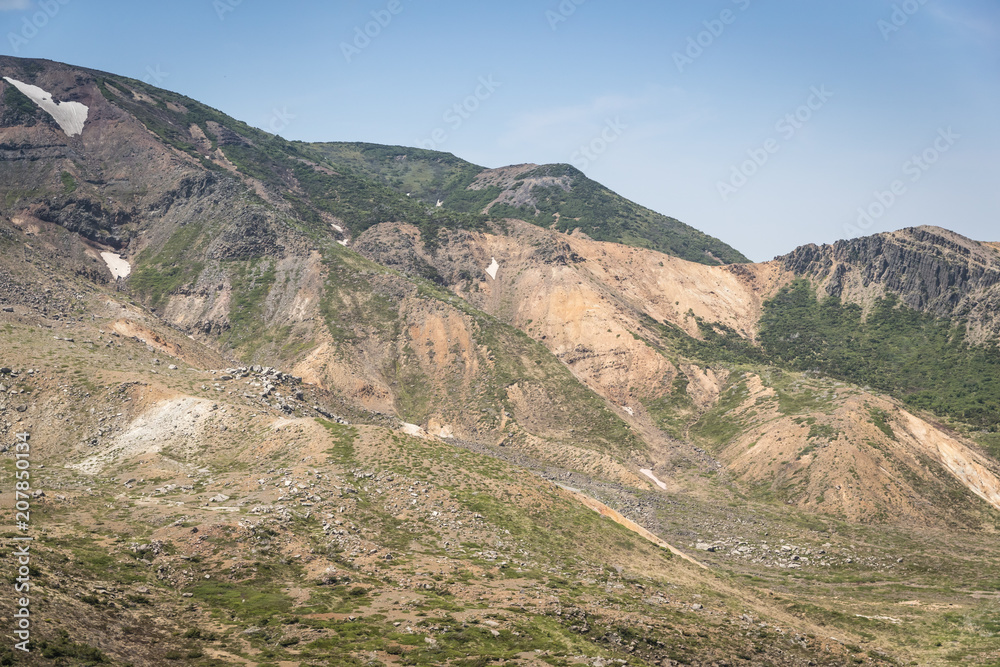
<point x="604" y="510"/>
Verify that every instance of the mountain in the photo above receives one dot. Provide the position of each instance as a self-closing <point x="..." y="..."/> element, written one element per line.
<point x="285" y="409"/>
<point x="555" y="196"/>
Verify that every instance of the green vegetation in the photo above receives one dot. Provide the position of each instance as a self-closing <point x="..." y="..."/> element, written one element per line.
<point x="990" y="442"/>
<point x="607" y="216"/>
<point x="157" y="277"/>
<point x="881" y="419"/>
<point x="674" y="410"/>
<point x="69" y="183"/>
<point x="253" y="600"/>
<point x="342" y="451"/>
<point x="422" y="174"/>
<point x="922" y="360"/>
<point x="63" y="651"/>
<point x="18" y="108"/>
<point x="718" y="343"/>
<point x="432" y="176"/>
<point x="721" y="424"/>
<point x="252" y="282"/>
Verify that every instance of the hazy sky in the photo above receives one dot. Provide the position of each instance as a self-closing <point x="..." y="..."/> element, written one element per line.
<point x="766" y="124"/>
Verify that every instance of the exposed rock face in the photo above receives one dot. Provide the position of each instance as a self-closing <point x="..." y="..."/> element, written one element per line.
<point x="928" y="268"/>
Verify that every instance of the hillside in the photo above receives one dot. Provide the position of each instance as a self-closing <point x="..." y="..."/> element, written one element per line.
<point x="284" y="409"/>
<point x="555" y="196"/>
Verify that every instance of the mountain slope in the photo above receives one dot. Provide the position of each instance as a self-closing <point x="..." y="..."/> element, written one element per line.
<point x="322" y="421"/>
<point x="930" y="269"/>
<point x="552" y="196"/>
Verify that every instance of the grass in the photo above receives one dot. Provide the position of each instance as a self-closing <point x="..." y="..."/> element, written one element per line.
<point x="69" y="183"/>
<point x="252" y="282"/>
<point x="674" y="410"/>
<point x="721" y="424"/>
<point x="158" y="276"/>
<point x="921" y="360"/>
<point x="254" y="601"/>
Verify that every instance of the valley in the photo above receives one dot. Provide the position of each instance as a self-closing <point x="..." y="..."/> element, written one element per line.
<point x="286" y="410"/>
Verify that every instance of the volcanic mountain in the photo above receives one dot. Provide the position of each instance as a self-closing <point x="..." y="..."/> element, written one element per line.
<point x="350" y="404"/>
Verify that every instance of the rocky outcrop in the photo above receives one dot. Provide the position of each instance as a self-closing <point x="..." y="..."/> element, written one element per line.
<point x="928" y="268"/>
<point x="88" y="219"/>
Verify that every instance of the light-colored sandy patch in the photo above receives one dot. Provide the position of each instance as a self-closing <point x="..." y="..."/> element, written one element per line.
<point x="437" y="429"/>
<point x="120" y="268"/>
<point x="414" y="430"/>
<point x="135" y="330"/>
<point x="957" y="458"/>
<point x="200" y="138"/>
<point x="172" y="422"/>
<point x="70" y="116"/>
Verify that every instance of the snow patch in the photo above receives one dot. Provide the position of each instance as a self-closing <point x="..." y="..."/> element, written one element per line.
<point x="630" y="411"/>
<point x="119" y="267"/>
<point x="343" y="243"/>
<point x="70" y="115"/>
<point x="649" y="474"/>
<point x="337" y="227"/>
<point x="440" y="203"/>
<point x="492" y="269"/>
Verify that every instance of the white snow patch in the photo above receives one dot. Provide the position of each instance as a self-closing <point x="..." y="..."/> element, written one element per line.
<point x="440" y="203"/>
<point x="630" y="411"/>
<point x="119" y="267"/>
<point x="70" y="115"/>
<point x="343" y="243"/>
<point x="337" y="227"/>
<point x="492" y="269"/>
<point x="649" y="474"/>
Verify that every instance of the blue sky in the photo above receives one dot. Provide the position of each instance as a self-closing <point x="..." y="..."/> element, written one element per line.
<point x="767" y="124"/>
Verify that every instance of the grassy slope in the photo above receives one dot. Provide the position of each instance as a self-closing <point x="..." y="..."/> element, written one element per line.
<point x="397" y="540"/>
<point x="599" y="212"/>
<point x="287" y="167"/>
<point x="915" y="357"/>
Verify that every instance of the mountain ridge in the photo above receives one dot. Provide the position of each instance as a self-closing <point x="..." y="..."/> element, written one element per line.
<point x="322" y="420"/>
